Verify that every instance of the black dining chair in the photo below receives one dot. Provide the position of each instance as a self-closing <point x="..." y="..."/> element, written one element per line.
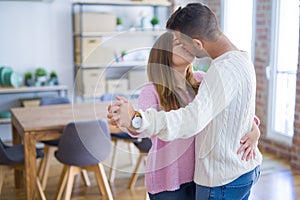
<point x="51" y="145"/>
<point x="84" y="145"/>
<point x="12" y="157"/>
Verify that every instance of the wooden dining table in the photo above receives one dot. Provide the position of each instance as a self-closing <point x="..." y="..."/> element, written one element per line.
<point x="33" y="124"/>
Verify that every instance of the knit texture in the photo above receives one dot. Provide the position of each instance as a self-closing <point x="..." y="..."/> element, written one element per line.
<point x="224" y="108"/>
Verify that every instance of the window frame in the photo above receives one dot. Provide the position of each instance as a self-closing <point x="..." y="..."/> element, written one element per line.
<point x="272" y="71"/>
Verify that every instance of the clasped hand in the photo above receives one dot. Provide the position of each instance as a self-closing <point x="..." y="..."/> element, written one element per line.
<point x="120" y="112"/>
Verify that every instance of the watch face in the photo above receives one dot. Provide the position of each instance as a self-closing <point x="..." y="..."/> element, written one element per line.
<point x="137" y="122"/>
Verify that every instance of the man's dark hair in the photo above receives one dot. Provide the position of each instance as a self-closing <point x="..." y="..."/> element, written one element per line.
<point x="195" y="20"/>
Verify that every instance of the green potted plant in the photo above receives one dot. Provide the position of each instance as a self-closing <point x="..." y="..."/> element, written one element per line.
<point x="28" y="79"/>
<point x="119" y="23"/>
<point x="53" y="78"/>
<point x="154" y="21"/>
<point x="40" y="77"/>
<point x="123" y="53"/>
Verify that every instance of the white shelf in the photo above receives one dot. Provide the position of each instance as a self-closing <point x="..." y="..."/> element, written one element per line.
<point x="117" y="65"/>
<point x="5" y="120"/>
<point x="10" y="90"/>
<point x="147" y="32"/>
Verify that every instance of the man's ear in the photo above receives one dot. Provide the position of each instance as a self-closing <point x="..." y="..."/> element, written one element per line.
<point x="198" y="44"/>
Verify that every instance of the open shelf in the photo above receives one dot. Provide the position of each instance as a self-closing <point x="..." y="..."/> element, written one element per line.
<point x="24" y="89"/>
<point x="5" y="120"/>
<point x="116" y="65"/>
<point x="146" y="31"/>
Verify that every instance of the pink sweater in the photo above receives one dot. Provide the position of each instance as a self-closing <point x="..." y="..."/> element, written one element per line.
<point x="169" y="164"/>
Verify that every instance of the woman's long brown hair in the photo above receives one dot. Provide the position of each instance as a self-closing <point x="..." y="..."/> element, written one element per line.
<point x="161" y="73"/>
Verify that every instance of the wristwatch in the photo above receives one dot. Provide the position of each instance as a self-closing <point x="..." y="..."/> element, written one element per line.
<point x="136" y="121"/>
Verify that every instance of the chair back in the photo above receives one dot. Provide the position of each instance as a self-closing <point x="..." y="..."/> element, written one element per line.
<point x="54" y="100"/>
<point x="84" y="143"/>
<point x="111" y="96"/>
<point x="144" y="145"/>
<point x="3" y="157"/>
<point x="14" y="155"/>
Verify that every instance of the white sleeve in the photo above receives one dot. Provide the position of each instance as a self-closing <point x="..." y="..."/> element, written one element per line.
<point x="216" y="91"/>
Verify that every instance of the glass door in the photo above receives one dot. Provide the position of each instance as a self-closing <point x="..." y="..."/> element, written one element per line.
<point x="283" y="69"/>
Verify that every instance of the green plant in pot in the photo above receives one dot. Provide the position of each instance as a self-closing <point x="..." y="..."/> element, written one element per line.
<point x="40" y="77"/>
<point x="28" y="79"/>
<point x="123" y="53"/>
<point x="53" y="78"/>
<point x="154" y="21"/>
<point x="119" y="23"/>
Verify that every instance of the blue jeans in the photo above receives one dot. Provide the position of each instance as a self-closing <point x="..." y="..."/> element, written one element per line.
<point x="239" y="189"/>
<point x="185" y="192"/>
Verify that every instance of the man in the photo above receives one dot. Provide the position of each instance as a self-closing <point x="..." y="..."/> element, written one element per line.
<point x="224" y="106"/>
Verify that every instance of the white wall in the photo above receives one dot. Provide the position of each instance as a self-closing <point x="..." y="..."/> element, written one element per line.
<point x="37" y="34"/>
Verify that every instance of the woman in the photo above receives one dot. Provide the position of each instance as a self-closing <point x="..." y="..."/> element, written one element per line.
<point x="172" y="84"/>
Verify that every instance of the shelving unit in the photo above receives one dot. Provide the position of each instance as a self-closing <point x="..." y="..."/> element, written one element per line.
<point x="98" y="47"/>
<point x="60" y="89"/>
<point x="16" y="93"/>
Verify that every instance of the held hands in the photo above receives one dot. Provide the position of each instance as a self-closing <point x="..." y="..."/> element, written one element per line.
<point x="120" y="112"/>
<point x="249" y="143"/>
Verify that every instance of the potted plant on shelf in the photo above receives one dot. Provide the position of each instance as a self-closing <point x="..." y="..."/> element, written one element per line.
<point x="119" y="23"/>
<point x="53" y="78"/>
<point x="28" y="79"/>
<point x="40" y="77"/>
<point x="123" y="53"/>
<point x="154" y="21"/>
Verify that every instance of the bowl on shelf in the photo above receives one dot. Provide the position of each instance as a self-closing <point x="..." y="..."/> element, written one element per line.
<point x="1" y="68"/>
<point x="10" y="78"/>
<point x="5" y="114"/>
<point x="3" y="71"/>
<point x="15" y="80"/>
<point x="6" y="78"/>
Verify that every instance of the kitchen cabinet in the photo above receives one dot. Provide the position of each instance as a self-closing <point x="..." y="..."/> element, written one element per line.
<point x="108" y="58"/>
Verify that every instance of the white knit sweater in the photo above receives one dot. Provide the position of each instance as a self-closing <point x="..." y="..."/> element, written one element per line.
<point x="223" y="111"/>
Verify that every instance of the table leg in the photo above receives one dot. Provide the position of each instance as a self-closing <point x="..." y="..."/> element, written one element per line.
<point x="16" y="139"/>
<point x="30" y="165"/>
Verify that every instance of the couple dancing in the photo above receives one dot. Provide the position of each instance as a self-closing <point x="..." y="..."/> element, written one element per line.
<point x="202" y="126"/>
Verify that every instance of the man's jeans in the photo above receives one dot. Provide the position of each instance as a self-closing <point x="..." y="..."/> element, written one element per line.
<point x="239" y="189"/>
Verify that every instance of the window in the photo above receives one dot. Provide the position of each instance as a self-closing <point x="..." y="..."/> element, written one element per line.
<point x="283" y="65"/>
<point x="238" y="23"/>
